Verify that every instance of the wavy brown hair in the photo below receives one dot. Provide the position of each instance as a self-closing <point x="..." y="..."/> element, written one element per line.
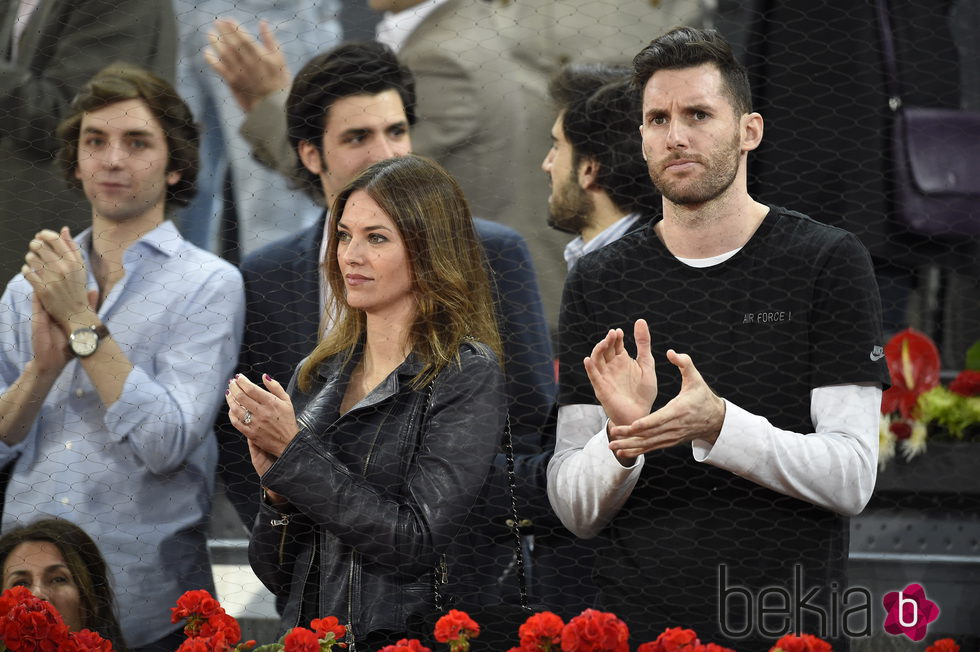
<point x="120" y="82"/>
<point x="87" y="567"/>
<point x="448" y="268"/>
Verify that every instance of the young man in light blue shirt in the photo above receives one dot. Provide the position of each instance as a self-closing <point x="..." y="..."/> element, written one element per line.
<point x="115" y="347"/>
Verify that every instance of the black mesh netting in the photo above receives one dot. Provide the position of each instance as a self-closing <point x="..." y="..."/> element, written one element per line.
<point x="384" y="507"/>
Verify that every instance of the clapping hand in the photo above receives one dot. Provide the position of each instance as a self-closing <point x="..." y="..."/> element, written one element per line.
<point x="251" y="69"/>
<point x="627" y="387"/>
<point x="266" y="418"/>
<point x="55" y="268"/>
<point x="264" y="415"/>
<point x="56" y="271"/>
<point x="695" y="413"/>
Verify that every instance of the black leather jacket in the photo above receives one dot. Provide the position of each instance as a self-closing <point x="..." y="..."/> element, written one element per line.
<point x="378" y="493"/>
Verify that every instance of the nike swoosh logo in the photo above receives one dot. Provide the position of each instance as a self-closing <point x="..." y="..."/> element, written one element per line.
<point x="876" y="357"/>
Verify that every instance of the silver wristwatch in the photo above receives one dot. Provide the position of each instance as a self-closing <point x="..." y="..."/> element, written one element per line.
<point x="83" y="342"/>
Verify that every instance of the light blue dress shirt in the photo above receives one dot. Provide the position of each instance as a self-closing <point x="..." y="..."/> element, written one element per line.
<point x="578" y="247"/>
<point x="138" y="477"/>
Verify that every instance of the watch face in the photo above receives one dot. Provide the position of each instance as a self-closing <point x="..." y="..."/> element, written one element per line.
<point x="83" y="342"/>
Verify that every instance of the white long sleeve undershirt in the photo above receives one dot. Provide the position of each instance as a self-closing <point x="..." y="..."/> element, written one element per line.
<point x="834" y="467"/>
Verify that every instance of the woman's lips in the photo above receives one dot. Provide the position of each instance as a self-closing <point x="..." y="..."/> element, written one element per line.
<point x="356" y="279"/>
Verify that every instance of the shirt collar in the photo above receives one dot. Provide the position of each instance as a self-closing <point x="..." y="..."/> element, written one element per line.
<point x="165" y="238"/>
<point x="578" y="247"/>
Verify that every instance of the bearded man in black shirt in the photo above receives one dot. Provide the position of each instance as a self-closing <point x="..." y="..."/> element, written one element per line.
<point x="729" y="465"/>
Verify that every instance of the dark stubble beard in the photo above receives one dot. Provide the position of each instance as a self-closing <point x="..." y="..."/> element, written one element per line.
<point x="569" y="210"/>
<point x="719" y="174"/>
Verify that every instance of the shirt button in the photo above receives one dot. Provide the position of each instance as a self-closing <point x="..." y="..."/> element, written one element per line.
<point x="65" y="501"/>
<point x="79" y="392"/>
<point x="68" y="445"/>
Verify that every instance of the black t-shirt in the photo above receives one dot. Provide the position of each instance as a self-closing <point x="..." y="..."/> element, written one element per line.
<point x="795" y="309"/>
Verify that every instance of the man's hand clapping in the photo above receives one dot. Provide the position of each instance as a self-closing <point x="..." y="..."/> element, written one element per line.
<point x="252" y="70"/>
<point x="627" y="388"/>
<point x="56" y="270"/>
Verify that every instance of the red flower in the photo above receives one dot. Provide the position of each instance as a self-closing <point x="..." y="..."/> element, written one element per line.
<point x="595" y="631"/>
<point x="192" y="604"/>
<point x="901" y="429"/>
<point x="455" y="624"/>
<point x="87" y="641"/>
<point x="328" y="625"/>
<point x="406" y="645"/>
<point x="913" y="362"/>
<point x="221" y="641"/>
<point x="967" y="383"/>
<point x="12" y="597"/>
<point x="206" y="620"/>
<point x="300" y="639"/>
<point x="672" y="640"/>
<point x="541" y="632"/>
<point x="944" y="645"/>
<point x="196" y="644"/>
<point x="31" y="623"/>
<point x="221" y="624"/>
<point x="801" y="643"/>
<point x="456" y="628"/>
<point x="712" y="647"/>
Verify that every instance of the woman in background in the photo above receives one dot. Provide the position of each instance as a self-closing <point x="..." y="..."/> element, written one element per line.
<point x="58" y="562"/>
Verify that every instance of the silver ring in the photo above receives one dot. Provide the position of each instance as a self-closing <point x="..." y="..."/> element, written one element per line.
<point x="248" y="418"/>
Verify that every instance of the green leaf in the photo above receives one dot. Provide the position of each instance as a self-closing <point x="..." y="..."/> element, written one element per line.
<point x="973" y="357"/>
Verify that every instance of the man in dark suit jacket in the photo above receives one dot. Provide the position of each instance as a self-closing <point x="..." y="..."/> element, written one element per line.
<point x="347" y="109"/>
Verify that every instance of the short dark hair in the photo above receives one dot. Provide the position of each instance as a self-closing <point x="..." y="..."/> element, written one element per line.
<point x="120" y="82"/>
<point x="357" y="68"/>
<point x="688" y="47"/>
<point x="604" y="128"/>
<point x="578" y="81"/>
<point x="87" y="567"/>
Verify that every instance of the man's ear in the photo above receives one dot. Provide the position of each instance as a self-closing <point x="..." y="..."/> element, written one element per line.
<point x="309" y="155"/>
<point x="752" y="127"/>
<point x="588" y="173"/>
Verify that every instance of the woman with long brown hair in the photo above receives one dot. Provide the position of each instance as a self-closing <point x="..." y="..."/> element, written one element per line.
<point x="373" y="458"/>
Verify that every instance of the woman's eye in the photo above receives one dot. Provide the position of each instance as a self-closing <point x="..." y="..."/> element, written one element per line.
<point x="343" y="236"/>
<point x="376" y="238"/>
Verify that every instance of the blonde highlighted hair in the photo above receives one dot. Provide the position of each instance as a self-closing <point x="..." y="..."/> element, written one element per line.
<point x="448" y="268"/>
